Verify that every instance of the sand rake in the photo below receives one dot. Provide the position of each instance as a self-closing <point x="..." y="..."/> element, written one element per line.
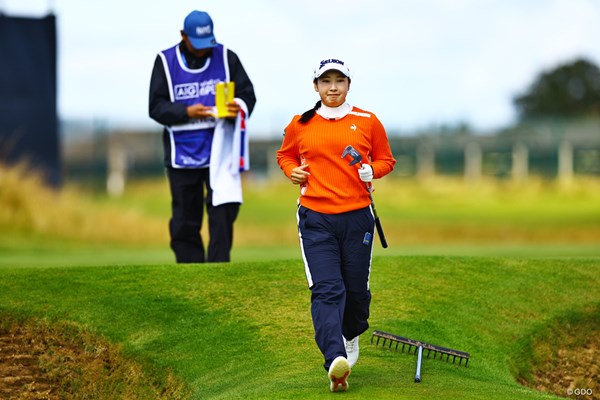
<point x="417" y="347"/>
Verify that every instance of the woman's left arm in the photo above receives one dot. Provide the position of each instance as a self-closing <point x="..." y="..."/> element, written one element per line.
<point x="382" y="159"/>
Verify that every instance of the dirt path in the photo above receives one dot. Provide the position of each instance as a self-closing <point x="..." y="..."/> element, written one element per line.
<point x="573" y="372"/>
<point x="21" y="376"/>
<point x="41" y="361"/>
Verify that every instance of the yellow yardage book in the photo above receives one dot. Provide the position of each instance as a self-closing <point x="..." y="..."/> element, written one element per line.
<point x="225" y="92"/>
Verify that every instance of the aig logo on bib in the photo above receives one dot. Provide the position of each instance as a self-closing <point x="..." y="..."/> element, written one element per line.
<point x="187" y="91"/>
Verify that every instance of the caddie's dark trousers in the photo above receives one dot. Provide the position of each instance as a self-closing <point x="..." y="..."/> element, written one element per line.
<point x="337" y="251"/>
<point x="188" y="188"/>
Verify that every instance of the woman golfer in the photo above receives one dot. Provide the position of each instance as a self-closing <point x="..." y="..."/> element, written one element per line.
<point x="335" y="222"/>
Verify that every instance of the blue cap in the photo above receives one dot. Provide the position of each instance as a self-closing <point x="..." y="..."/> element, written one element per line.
<point x="198" y="27"/>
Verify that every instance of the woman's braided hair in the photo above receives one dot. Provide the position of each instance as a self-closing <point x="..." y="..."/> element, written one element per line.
<point x="308" y="114"/>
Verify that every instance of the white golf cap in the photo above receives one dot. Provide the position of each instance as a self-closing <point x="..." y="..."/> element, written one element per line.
<point x="329" y="64"/>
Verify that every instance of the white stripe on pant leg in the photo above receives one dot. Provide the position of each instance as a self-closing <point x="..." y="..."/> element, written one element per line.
<point x="306" y="269"/>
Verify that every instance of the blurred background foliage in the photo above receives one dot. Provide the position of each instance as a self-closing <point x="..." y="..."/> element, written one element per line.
<point x="570" y="90"/>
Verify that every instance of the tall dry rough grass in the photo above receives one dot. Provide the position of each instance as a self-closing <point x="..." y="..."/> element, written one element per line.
<point x="27" y="206"/>
<point x="424" y="211"/>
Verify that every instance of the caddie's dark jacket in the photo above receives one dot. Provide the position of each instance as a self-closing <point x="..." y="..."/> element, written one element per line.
<point x="165" y="112"/>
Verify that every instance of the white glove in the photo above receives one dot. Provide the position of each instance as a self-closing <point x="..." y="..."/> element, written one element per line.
<point x="366" y="173"/>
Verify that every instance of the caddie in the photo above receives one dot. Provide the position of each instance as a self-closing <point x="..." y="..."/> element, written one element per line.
<point x="204" y="155"/>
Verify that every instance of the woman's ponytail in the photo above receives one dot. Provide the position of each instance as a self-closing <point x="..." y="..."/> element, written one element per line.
<point x="309" y="113"/>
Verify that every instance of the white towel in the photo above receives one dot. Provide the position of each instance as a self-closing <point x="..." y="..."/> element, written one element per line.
<point x="229" y="157"/>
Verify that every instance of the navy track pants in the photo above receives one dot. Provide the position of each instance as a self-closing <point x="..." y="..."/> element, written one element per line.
<point x="337" y="251"/>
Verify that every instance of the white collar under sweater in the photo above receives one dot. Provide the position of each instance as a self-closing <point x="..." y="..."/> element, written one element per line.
<point x="334" y="112"/>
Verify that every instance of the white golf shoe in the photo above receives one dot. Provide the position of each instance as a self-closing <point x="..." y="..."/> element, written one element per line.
<point x="338" y="374"/>
<point x="352" y="350"/>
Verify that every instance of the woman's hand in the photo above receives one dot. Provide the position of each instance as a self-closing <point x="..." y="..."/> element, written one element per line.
<point x="299" y="175"/>
<point x="366" y="173"/>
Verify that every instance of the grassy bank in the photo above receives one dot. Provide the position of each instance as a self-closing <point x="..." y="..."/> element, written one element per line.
<point x="243" y="330"/>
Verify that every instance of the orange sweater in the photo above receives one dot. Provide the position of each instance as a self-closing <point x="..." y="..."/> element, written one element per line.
<point x="333" y="186"/>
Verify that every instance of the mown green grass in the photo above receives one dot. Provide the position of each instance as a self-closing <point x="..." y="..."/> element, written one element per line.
<point x="243" y="330"/>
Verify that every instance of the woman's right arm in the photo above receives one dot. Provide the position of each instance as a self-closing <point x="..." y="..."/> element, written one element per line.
<point x="288" y="156"/>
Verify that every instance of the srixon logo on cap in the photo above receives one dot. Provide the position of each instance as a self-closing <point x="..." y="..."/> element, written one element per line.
<point x="331" y="61"/>
<point x="203" y="30"/>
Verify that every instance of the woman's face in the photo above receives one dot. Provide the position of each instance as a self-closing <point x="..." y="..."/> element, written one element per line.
<point x="332" y="86"/>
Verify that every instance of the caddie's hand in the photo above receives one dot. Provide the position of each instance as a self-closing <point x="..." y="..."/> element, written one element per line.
<point x="199" y="111"/>
<point x="233" y="108"/>
<point x="299" y="175"/>
<point x="366" y="173"/>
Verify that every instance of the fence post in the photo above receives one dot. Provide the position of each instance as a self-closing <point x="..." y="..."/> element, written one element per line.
<point x="425" y="160"/>
<point x="520" y="163"/>
<point x="473" y="162"/>
<point x="565" y="161"/>
<point x="273" y="169"/>
<point x="117" y="166"/>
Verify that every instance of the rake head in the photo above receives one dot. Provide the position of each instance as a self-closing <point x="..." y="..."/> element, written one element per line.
<point x="412" y="346"/>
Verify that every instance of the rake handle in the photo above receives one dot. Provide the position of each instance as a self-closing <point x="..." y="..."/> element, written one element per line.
<point x="419" y="358"/>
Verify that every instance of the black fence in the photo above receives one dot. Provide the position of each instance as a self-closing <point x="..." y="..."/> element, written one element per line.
<point x="104" y="158"/>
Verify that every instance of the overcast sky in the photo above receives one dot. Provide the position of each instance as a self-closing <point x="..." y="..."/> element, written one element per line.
<point x="415" y="63"/>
